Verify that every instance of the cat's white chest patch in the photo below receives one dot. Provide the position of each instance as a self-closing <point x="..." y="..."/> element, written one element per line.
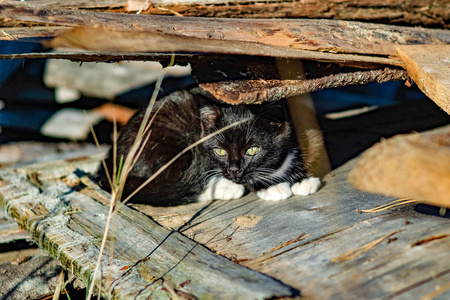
<point x="222" y="189"/>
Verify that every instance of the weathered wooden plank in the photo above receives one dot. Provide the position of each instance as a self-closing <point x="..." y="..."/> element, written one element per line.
<point x="425" y="13"/>
<point x="10" y="231"/>
<point x="302" y="241"/>
<point x="91" y="56"/>
<point x="32" y="275"/>
<point x="288" y="38"/>
<point x="414" y="166"/>
<point x="308" y="242"/>
<point x="429" y="67"/>
<point x="141" y="259"/>
<point x="257" y="37"/>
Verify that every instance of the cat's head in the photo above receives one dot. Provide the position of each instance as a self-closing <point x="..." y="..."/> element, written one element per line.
<point x="250" y="151"/>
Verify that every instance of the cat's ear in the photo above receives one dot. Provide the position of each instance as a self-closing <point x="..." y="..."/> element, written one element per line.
<point x="209" y="116"/>
<point x="283" y="129"/>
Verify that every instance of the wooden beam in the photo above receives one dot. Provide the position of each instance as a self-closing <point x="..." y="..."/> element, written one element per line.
<point x="141" y="259"/>
<point x="429" y="67"/>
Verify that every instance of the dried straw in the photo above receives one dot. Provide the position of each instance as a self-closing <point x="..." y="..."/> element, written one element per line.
<point x="395" y="203"/>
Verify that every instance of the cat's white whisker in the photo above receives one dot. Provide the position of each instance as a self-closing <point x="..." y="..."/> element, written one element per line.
<point x="211" y="173"/>
<point x="250" y="131"/>
<point x="219" y="136"/>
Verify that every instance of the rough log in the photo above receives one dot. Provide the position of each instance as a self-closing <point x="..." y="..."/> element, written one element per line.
<point x="258" y="91"/>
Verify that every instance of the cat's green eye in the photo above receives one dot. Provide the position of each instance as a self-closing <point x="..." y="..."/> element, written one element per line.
<point x="220" y="151"/>
<point x="252" y="151"/>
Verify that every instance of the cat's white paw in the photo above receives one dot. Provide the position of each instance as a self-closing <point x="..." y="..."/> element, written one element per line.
<point x="222" y="189"/>
<point x="277" y="192"/>
<point x="306" y="187"/>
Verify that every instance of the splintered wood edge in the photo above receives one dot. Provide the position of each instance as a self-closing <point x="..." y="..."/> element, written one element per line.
<point x="68" y="224"/>
<point x="429" y="67"/>
<point x="413" y="166"/>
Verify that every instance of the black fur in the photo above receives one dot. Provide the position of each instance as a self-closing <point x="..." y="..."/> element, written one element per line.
<point x="183" y="119"/>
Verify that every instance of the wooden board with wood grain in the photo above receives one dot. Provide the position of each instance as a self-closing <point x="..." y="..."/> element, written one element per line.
<point x="429" y="67"/>
<point x="426" y="13"/>
<point x="142" y="259"/>
<point x="321" y="245"/>
<point x="309" y="39"/>
<point x="423" y="13"/>
<point x="316" y="246"/>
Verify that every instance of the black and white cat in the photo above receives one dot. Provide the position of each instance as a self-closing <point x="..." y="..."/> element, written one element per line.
<point x="260" y="154"/>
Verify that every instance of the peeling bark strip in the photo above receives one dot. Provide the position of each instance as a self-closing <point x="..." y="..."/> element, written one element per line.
<point x="323" y="36"/>
<point x="259" y="91"/>
<point x="148" y="261"/>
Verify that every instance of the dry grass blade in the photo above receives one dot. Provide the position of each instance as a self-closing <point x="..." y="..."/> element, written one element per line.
<point x="125" y="168"/>
<point x="142" y="7"/>
<point x="395" y="203"/>
<point x="8" y="35"/>
<point x="299" y="238"/>
<point x="97" y="143"/>
<point x="140" y="141"/>
<point x="358" y="251"/>
<point x="121" y="172"/>
<point x="59" y="286"/>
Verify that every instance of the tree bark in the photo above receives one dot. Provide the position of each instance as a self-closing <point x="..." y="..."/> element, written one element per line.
<point x="258" y="91"/>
